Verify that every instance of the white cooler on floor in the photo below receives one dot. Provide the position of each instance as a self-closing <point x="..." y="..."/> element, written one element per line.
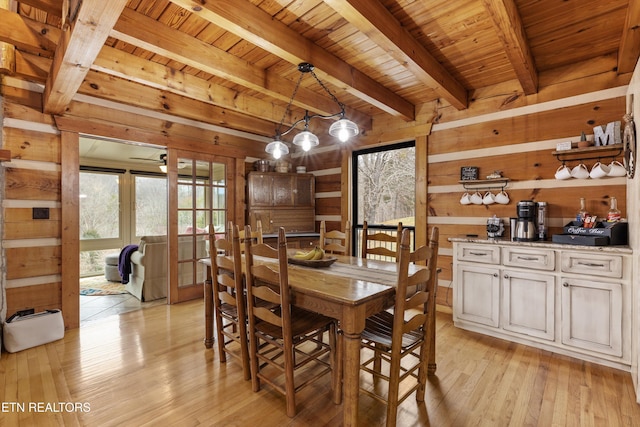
<point x="22" y="332"/>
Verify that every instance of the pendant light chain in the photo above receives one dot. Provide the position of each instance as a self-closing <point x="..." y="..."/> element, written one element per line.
<point x="326" y="89"/>
<point x="288" y="109"/>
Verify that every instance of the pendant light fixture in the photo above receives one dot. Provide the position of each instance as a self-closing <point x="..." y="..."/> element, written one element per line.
<point x="343" y="129"/>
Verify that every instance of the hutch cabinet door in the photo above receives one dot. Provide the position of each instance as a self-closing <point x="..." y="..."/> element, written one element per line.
<point x="260" y="190"/>
<point x="304" y="191"/>
<point x="283" y="190"/>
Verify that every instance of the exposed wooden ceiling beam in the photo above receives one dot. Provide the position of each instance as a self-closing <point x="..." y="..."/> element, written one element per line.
<point x="78" y="47"/>
<point x="32" y="67"/>
<point x="123" y="90"/>
<point x="139" y="30"/>
<point x="53" y="7"/>
<point x="629" y="50"/>
<point x="246" y="20"/>
<point x="118" y="63"/>
<point x="506" y="19"/>
<point x="128" y="66"/>
<point x="158" y="135"/>
<point x="373" y="19"/>
<point x="28" y="35"/>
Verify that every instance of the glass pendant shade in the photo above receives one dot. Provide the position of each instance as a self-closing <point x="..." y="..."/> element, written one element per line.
<point x="277" y="148"/>
<point x="344" y="129"/>
<point x="306" y="140"/>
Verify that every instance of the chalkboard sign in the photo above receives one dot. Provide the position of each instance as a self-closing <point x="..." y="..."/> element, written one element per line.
<point x="468" y="173"/>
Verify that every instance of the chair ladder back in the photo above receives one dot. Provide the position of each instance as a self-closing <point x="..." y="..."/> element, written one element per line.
<point x="386" y="245"/>
<point x="280" y="336"/>
<point x="226" y="272"/>
<point x="404" y="256"/>
<point x="335" y="241"/>
<point x="255" y="236"/>
<point x="228" y="295"/>
<point x="405" y="332"/>
<point x="267" y="284"/>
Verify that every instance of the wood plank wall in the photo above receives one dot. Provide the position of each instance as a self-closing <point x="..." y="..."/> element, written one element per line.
<point x="32" y="179"/>
<point x="520" y="147"/>
<point x="502" y="129"/>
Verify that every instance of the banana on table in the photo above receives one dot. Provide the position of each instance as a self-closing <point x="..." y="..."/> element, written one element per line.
<point x="316" y="253"/>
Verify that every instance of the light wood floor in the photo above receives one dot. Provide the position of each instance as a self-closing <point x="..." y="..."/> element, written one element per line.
<point x="150" y="367"/>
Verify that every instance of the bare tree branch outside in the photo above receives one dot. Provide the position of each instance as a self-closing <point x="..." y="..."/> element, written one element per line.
<point x="386" y="186"/>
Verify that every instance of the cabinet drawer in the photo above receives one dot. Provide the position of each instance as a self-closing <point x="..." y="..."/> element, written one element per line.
<point x="486" y="254"/>
<point x="536" y="259"/>
<point x="594" y="264"/>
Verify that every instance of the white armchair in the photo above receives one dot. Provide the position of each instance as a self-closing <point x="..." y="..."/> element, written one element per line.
<point x="148" y="280"/>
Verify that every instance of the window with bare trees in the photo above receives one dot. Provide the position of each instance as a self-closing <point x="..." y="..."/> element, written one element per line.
<point x="385" y="184"/>
<point x="384" y="188"/>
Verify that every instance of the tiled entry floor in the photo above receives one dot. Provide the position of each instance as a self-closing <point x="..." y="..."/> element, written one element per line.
<point x="98" y="307"/>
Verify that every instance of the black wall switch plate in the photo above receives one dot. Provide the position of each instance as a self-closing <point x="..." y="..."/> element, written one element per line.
<point x="40" y="213"/>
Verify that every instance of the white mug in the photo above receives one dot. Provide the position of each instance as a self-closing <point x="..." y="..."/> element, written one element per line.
<point x="580" y="171"/>
<point x="465" y="199"/>
<point x="502" y="197"/>
<point x="476" y="198"/>
<point x="616" y="169"/>
<point x="488" y="198"/>
<point x="599" y="171"/>
<point x="563" y="172"/>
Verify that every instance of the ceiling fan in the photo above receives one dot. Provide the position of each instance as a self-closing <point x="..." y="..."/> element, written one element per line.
<point x="162" y="161"/>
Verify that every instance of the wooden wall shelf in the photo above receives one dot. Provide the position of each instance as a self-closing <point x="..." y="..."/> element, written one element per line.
<point x="488" y="184"/>
<point x="590" y="153"/>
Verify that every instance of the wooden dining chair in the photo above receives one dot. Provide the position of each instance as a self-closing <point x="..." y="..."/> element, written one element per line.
<point x="256" y="235"/>
<point x="283" y="340"/>
<point x="379" y="243"/>
<point x="229" y="304"/>
<point x="401" y="339"/>
<point x="336" y="241"/>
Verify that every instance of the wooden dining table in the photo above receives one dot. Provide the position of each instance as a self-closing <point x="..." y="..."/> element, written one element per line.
<point x="349" y="290"/>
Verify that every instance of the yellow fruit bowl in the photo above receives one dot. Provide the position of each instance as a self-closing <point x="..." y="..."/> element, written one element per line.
<point x="315" y="263"/>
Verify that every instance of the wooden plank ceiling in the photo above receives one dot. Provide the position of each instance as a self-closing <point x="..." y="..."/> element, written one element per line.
<point x="234" y="62"/>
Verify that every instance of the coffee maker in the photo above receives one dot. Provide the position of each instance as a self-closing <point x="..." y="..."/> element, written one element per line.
<point x="526" y="227"/>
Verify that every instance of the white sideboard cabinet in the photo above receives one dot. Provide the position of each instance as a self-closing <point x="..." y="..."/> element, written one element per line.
<point x="573" y="300"/>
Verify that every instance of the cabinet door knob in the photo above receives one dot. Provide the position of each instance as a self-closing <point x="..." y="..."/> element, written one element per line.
<point x="506" y="276"/>
<point x="495" y="274"/>
<point x="565" y="284"/>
